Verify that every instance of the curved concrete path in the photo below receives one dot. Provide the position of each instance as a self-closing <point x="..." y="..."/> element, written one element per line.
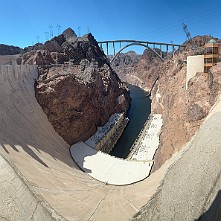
<point x="109" y="169"/>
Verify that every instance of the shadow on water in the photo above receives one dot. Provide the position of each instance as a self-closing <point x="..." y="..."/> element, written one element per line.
<point x="214" y="212"/>
<point x="138" y="115"/>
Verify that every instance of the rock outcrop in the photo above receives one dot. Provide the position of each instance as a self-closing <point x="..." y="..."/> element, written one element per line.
<point x="77" y="88"/>
<point x="9" y="50"/>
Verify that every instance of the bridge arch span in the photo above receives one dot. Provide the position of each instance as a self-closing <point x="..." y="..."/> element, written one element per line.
<point x="135" y="44"/>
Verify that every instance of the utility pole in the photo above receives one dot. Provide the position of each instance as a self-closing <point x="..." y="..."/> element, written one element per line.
<point x="59" y="29"/>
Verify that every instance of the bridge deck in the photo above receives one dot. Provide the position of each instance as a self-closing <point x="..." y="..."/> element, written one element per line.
<point x="142" y="42"/>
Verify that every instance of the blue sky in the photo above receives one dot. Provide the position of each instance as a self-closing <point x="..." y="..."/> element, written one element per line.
<point x="22" y="21"/>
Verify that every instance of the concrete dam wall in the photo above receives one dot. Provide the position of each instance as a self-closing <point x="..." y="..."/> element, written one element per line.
<point x="48" y="173"/>
<point x="40" y="181"/>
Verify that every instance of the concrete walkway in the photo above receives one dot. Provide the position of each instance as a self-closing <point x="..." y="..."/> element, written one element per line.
<point x="191" y="188"/>
<point x="109" y="169"/>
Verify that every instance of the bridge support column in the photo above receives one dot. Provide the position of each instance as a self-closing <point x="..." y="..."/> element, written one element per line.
<point x="114" y="47"/>
<point x="107" y="48"/>
<point x="173" y="49"/>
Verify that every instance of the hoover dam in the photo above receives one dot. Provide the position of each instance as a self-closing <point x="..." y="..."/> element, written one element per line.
<point x="40" y="180"/>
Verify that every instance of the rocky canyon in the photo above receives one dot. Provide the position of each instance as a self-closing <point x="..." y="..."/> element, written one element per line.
<point x="183" y="110"/>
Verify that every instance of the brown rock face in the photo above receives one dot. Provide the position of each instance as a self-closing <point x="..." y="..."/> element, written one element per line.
<point x="9" y="50"/>
<point x="81" y="99"/>
<point x="138" y="70"/>
<point x="80" y="95"/>
<point x="183" y="110"/>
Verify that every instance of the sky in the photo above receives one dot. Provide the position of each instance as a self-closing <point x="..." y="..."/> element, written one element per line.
<point x="25" y="22"/>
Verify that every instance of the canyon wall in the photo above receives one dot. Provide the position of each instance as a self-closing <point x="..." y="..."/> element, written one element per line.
<point x="183" y="111"/>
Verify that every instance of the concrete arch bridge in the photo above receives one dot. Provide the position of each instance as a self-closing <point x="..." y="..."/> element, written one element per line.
<point x="117" y="46"/>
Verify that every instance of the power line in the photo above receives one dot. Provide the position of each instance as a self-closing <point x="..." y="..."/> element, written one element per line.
<point x="175" y="25"/>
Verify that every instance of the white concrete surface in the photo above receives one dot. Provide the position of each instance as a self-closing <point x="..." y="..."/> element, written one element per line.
<point x="103" y="133"/>
<point x="194" y="64"/>
<point x="109" y="169"/>
<point x="150" y="140"/>
<point x="17" y="202"/>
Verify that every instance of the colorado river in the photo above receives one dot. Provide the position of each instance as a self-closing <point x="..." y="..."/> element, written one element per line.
<point x="138" y="115"/>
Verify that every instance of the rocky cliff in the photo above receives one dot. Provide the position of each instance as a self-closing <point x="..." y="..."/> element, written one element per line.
<point x="77" y="88"/>
<point x="183" y="110"/>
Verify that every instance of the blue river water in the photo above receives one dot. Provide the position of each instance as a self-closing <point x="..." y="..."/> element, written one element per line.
<point x="138" y="114"/>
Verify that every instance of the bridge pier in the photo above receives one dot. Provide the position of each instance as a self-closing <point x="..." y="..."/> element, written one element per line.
<point x="173" y="49"/>
<point x="107" y="47"/>
<point x="167" y="46"/>
<point x="114" y="48"/>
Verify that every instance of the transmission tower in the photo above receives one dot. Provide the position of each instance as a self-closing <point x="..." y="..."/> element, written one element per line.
<point x="51" y="31"/>
<point x="37" y="38"/>
<point x="46" y="36"/>
<point x="79" y="31"/>
<point x="88" y="30"/>
<point x="59" y="29"/>
<point x="188" y="36"/>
